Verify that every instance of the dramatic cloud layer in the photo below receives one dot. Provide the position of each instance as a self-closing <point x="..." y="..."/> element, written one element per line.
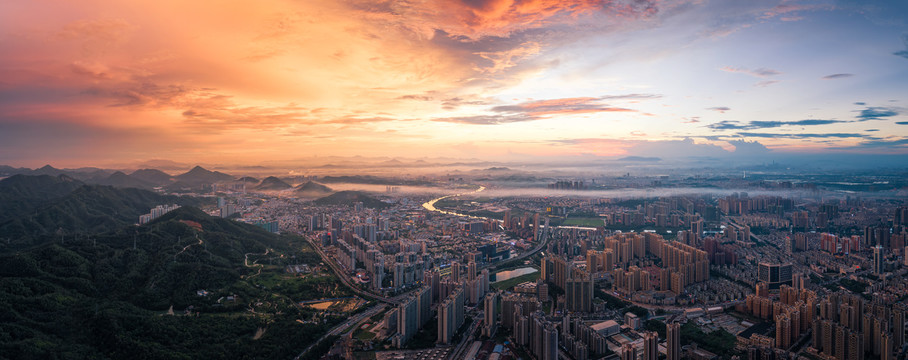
<point x="95" y="82"/>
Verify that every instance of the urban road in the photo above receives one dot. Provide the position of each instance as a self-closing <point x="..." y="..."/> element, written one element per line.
<point x="347" y="326"/>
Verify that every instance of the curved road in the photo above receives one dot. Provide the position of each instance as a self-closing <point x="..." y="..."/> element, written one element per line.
<point x="430" y="205"/>
<point x="343" y="277"/>
<point x="254" y="263"/>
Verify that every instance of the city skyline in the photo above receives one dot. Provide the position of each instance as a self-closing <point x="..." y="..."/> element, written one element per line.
<point x="98" y="83"/>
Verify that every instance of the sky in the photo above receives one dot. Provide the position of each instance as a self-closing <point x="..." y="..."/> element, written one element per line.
<point x="99" y="82"/>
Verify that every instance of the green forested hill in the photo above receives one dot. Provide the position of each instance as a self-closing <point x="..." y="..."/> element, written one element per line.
<point x="35" y="216"/>
<point x="20" y="194"/>
<point x="350" y="198"/>
<point x="106" y="295"/>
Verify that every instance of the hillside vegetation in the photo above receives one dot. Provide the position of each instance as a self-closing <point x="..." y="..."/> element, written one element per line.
<point x="101" y="297"/>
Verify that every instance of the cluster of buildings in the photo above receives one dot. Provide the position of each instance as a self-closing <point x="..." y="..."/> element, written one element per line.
<point x="156" y="212"/>
<point x="774" y="258"/>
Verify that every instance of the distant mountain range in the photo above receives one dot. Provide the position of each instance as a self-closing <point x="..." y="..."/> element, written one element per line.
<point x="311" y="188"/>
<point x="200" y="175"/>
<point x="141" y="179"/>
<point x="367" y="179"/>
<point x="273" y="183"/>
<point x="199" y="179"/>
<point x="152" y="176"/>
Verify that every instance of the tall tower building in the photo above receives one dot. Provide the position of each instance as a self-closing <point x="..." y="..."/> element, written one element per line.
<point x="696" y="227"/>
<point x="828" y="336"/>
<point x="878" y="259"/>
<point x="905" y="257"/>
<point x="886" y="349"/>
<point x="628" y="352"/>
<point x="650" y="345"/>
<point x="446" y="321"/>
<point x="898" y="326"/>
<point x="841" y="342"/>
<point x="608" y="259"/>
<point x="424" y="304"/>
<point x="673" y="341"/>
<point x="579" y="294"/>
<point x="550" y="349"/>
<point x="592" y="260"/>
<point x="407" y="320"/>
<point x="783" y="331"/>
<point x="490" y="313"/>
<point x="855" y="346"/>
<point x="678" y="282"/>
<point x="817" y="335"/>
<point x="455" y="271"/>
<point x="536" y="227"/>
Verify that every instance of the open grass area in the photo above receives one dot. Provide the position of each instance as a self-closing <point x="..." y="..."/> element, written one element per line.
<point x="363" y="334"/>
<point x="720" y="342"/>
<point x="510" y="283"/>
<point x="309" y="287"/>
<point x="587" y="222"/>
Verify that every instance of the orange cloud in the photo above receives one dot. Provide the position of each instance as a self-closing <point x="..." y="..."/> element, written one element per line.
<point x="565" y="106"/>
<point x="477" y="18"/>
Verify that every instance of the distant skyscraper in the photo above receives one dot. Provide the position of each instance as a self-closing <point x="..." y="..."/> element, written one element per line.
<point x="424" y="305"/>
<point x="579" y="294"/>
<point x="696" y="227"/>
<point x="446" y="321"/>
<point x="878" y="259"/>
<point x="678" y="281"/>
<point x="455" y="271"/>
<point x="905" y="257"/>
<point x="536" y="231"/>
<point x="775" y="275"/>
<point x="490" y="312"/>
<point x="673" y="341"/>
<point x="898" y="327"/>
<point x="407" y="320"/>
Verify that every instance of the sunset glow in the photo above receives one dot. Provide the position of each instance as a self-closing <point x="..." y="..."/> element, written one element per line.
<point x="101" y="82"/>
